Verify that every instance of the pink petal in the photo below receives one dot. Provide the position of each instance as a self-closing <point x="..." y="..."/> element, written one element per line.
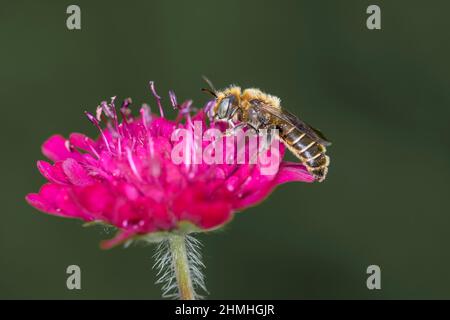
<point x="55" y="148"/>
<point x="119" y="238"/>
<point x="35" y="200"/>
<point x="76" y="173"/>
<point x="258" y="186"/>
<point x="160" y="215"/>
<point x="212" y="214"/>
<point x="57" y="200"/>
<point x="250" y="199"/>
<point x="97" y="198"/>
<point x="52" y="173"/>
<point x="196" y="205"/>
<point x="291" y="171"/>
<point x="81" y="141"/>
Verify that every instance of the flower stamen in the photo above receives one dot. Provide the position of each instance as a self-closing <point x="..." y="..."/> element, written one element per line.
<point x="91" y="118"/>
<point x="157" y="98"/>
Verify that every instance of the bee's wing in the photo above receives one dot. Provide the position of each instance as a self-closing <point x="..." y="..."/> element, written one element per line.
<point x="291" y="119"/>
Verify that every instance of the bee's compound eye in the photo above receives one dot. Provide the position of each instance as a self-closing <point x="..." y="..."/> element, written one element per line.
<point x="223" y="108"/>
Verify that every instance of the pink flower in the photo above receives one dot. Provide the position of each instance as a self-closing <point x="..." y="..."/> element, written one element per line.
<point x="126" y="178"/>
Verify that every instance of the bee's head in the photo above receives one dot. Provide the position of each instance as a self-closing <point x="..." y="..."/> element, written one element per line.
<point x="227" y="102"/>
<point x="224" y="107"/>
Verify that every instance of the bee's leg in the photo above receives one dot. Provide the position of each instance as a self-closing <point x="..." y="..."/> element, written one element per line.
<point x="232" y="113"/>
<point x="265" y="139"/>
<point x="231" y="131"/>
<point x="253" y="128"/>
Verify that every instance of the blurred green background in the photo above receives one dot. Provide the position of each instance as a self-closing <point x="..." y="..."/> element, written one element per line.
<point x="381" y="96"/>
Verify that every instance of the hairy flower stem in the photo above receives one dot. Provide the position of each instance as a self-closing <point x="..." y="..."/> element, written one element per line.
<point x="181" y="267"/>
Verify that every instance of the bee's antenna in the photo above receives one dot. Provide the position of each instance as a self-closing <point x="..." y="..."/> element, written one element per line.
<point x="209" y="91"/>
<point x="210" y="84"/>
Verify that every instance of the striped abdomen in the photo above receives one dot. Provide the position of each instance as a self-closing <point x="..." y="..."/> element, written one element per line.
<point x="310" y="152"/>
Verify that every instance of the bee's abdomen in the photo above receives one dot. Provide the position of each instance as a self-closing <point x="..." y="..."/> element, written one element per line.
<point x="310" y="152"/>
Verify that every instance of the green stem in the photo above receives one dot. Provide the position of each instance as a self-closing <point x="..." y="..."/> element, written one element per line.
<point x="181" y="266"/>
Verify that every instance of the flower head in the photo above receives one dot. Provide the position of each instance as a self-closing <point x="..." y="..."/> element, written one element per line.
<point x="127" y="177"/>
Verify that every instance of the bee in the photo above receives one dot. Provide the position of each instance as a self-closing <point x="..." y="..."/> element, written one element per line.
<point x="257" y="110"/>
